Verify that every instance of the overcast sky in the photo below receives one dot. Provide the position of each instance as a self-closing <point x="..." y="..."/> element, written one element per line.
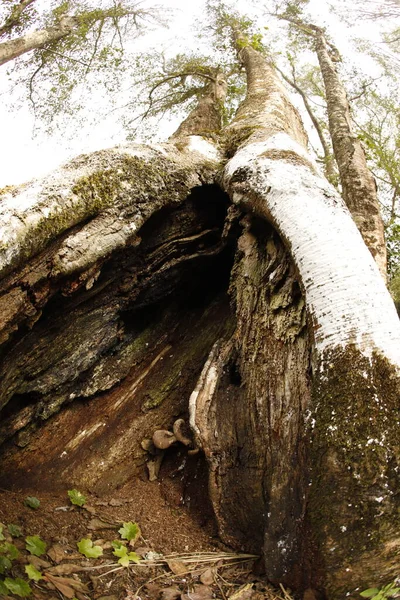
<point x="23" y="158"/>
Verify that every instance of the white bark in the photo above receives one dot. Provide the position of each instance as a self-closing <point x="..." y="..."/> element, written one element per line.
<point x="345" y="293"/>
<point x="38" y="212"/>
<point x="12" y="49"/>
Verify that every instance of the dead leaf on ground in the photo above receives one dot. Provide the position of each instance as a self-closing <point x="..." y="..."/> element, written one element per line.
<point x="38" y="563"/>
<point x="66" y="585"/>
<point x="207" y="577"/>
<point x="116" y="502"/>
<point x="244" y="593"/>
<point x="95" y="524"/>
<point x="177" y="567"/>
<point x="57" y="553"/>
<point x="65" y="569"/>
<point x="170" y="593"/>
<point x="89" y="509"/>
<point x="200" y="592"/>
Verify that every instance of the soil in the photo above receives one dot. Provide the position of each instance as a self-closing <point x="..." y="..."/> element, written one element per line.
<point x="176" y="523"/>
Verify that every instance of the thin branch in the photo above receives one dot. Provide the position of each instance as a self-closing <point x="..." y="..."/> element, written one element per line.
<point x="76" y="60"/>
<point x="13" y="18"/>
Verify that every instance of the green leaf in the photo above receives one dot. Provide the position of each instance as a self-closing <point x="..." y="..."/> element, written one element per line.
<point x="130" y="531"/>
<point x="3" y="589"/>
<point x="133" y="557"/>
<point x="9" y="550"/>
<point x="32" y="502"/>
<point x="76" y="497"/>
<point x="33" y="573"/>
<point x="14" y="530"/>
<point x="18" y="586"/>
<point x="369" y="593"/>
<point x="119" y="550"/>
<point x="5" y="564"/>
<point x="35" y="545"/>
<point x="1" y="534"/>
<point x="125" y="557"/>
<point x="85" y="547"/>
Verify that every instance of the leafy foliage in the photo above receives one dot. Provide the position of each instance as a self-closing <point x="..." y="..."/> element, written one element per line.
<point x="18" y="586"/>
<point x="86" y="547"/>
<point x="91" y="54"/>
<point x="14" y="530"/>
<point x="5" y="564"/>
<point x="32" y="502"/>
<point x="76" y="497"/>
<point x="1" y="534"/>
<point x="35" y="545"/>
<point x="130" y="531"/>
<point x="33" y="573"/>
<point x="388" y="591"/>
<point x="9" y="550"/>
<point x="125" y="557"/>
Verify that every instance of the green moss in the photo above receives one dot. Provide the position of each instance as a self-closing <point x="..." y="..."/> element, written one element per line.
<point x="235" y="137"/>
<point x="354" y="504"/>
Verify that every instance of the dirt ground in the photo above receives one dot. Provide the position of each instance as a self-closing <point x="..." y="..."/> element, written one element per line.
<point x="180" y="554"/>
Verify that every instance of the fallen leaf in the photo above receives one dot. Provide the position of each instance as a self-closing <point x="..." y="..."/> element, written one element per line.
<point x="69" y="584"/>
<point x="170" y="593"/>
<point x="196" y="596"/>
<point x="115" y="502"/>
<point x="38" y="563"/>
<point x="90" y="509"/>
<point x="95" y="524"/>
<point x="207" y="577"/>
<point x="244" y="593"/>
<point x="65" y="569"/>
<point x="177" y="567"/>
<point x="57" y="553"/>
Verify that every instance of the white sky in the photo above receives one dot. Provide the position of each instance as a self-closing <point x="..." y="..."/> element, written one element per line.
<point x="23" y="158"/>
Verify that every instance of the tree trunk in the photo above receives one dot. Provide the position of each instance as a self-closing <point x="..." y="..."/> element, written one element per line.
<point x="134" y="290"/>
<point x="358" y="184"/>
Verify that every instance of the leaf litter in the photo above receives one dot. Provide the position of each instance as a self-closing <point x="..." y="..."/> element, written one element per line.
<point x="151" y="548"/>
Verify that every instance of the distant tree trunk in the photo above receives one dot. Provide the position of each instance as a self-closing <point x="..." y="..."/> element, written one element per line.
<point x="358" y="183"/>
<point x="136" y="289"/>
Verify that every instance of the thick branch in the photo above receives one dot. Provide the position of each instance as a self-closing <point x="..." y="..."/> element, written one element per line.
<point x="37" y="39"/>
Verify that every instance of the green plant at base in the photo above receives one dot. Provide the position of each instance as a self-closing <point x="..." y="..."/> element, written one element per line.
<point x="85" y="547"/>
<point x="129" y="531"/>
<point x="388" y="591"/>
<point x="35" y="545"/>
<point x="76" y="497"/>
<point x="32" y="502"/>
<point x="125" y="557"/>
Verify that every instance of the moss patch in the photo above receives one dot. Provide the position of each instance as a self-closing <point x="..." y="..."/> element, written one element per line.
<point x="354" y="504"/>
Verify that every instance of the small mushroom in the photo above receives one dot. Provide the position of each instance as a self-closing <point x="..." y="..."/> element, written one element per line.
<point x="163" y="439"/>
<point x="180" y="432"/>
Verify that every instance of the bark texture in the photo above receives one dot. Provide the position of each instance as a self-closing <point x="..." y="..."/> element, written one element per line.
<point x="135" y="290"/>
<point x="358" y="183"/>
<point x="12" y="49"/>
